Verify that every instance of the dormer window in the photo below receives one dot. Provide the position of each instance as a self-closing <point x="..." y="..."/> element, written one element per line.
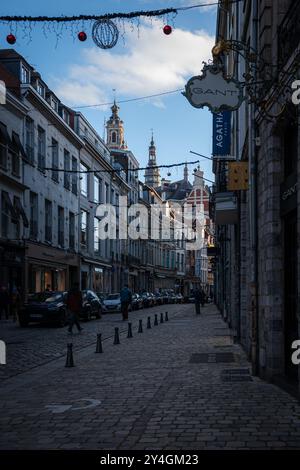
<point x="66" y="116"/>
<point x="41" y="89"/>
<point x="25" y="74"/>
<point x="54" y="104"/>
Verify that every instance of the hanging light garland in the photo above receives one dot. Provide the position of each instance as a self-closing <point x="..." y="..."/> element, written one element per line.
<point x="105" y="29"/>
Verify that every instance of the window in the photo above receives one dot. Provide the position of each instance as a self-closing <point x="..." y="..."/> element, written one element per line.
<point x="83" y="228"/>
<point x="54" y="148"/>
<point x="15" y="162"/>
<point x="33" y="229"/>
<point x="4" y="215"/>
<point x="48" y="220"/>
<point x="66" y="116"/>
<point x="114" y="137"/>
<point x="41" y="148"/>
<point x="96" y="235"/>
<point x="29" y="143"/>
<point x="97" y="189"/>
<point x="54" y="104"/>
<point x="84" y="180"/>
<point x="25" y="75"/>
<point x="74" y="176"/>
<point x="41" y="89"/>
<point x="60" y="226"/>
<point x="67" y="169"/>
<point x="71" y="230"/>
<point x="112" y="197"/>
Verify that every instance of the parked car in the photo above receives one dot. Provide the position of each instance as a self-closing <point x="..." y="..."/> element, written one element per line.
<point x="102" y="297"/>
<point x="112" y="303"/>
<point x="137" y="302"/>
<point x="153" y="299"/>
<point x="179" y="298"/>
<point x="159" y="298"/>
<point x="165" y="296"/>
<point x="44" y="307"/>
<point x="172" y="297"/>
<point x="147" y="299"/>
<point x="91" y="306"/>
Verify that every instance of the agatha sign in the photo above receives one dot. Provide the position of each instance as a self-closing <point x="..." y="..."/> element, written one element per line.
<point x="211" y="89"/>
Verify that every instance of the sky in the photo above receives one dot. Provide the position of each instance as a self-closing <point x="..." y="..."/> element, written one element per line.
<point x="144" y="62"/>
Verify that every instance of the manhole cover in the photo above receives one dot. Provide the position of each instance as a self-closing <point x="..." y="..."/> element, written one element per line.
<point x="205" y="358"/>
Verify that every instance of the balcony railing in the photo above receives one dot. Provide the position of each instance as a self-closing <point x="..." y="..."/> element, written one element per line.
<point x="289" y="32"/>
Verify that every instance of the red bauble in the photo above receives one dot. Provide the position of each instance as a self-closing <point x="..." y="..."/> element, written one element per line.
<point x="82" y="36"/>
<point x="167" y="29"/>
<point x="11" y="39"/>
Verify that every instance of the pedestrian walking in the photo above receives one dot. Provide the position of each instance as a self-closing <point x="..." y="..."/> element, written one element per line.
<point x="15" y="303"/>
<point x="203" y="297"/>
<point x="126" y="299"/>
<point x="198" y="300"/>
<point x="74" y="306"/>
<point x="4" y="302"/>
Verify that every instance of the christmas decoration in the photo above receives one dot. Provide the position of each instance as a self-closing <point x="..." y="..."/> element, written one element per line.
<point x="82" y="36"/>
<point x="167" y="29"/>
<point x="105" y="34"/>
<point x="11" y="39"/>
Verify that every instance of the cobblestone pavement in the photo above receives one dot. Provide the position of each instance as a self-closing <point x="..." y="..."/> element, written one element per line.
<point x="180" y="385"/>
<point x="39" y="344"/>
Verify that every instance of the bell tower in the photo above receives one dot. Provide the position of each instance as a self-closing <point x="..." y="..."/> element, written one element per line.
<point x="152" y="174"/>
<point x="115" y="130"/>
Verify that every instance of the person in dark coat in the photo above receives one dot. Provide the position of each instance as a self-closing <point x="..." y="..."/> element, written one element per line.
<point x="198" y="300"/>
<point x="126" y="299"/>
<point x="74" y="306"/>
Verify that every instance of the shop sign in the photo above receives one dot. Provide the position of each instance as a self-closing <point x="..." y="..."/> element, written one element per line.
<point x="222" y="133"/>
<point x="213" y="90"/>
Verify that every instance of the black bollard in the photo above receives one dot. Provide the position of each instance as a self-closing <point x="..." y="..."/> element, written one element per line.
<point x="166" y="316"/>
<point x="117" y="339"/>
<point x="161" y="318"/>
<point x="140" y="326"/>
<point x="99" y="344"/>
<point x="70" y="360"/>
<point x="156" y="320"/>
<point x="129" y="335"/>
<point x="149" y="323"/>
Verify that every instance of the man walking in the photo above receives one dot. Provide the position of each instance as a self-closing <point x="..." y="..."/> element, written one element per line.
<point x="126" y="299"/>
<point x="74" y="306"/>
<point x="198" y="300"/>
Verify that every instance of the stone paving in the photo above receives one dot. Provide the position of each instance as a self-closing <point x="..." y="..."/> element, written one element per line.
<point x="180" y="385"/>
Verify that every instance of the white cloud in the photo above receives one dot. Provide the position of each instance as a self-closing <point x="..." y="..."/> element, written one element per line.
<point x="150" y="64"/>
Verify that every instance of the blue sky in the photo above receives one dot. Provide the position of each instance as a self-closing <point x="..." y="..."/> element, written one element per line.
<point x="144" y="62"/>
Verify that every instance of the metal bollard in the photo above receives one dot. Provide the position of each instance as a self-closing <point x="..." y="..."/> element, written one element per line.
<point x="99" y="344"/>
<point x="166" y="316"/>
<point x="140" y="326"/>
<point x="149" y="323"/>
<point x="70" y="360"/>
<point x="129" y="335"/>
<point x="161" y="318"/>
<point x="156" y="320"/>
<point x="117" y="339"/>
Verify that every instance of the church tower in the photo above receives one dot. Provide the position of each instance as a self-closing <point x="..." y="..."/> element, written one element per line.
<point x="115" y="130"/>
<point x="152" y="174"/>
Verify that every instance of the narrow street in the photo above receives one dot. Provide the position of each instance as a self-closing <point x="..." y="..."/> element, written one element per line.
<point x="180" y="385"/>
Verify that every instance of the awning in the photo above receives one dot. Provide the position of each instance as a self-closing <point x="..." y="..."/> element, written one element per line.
<point x="133" y="273"/>
<point x="97" y="263"/>
<point x="17" y="144"/>
<point x="20" y="211"/>
<point x="14" y="214"/>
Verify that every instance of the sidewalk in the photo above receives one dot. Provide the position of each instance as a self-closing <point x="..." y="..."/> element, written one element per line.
<point x="180" y="385"/>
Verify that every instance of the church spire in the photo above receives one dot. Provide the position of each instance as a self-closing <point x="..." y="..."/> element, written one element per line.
<point x="115" y="130"/>
<point x="186" y="173"/>
<point x="152" y="174"/>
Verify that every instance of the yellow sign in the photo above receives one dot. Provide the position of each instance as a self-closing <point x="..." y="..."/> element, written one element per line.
<point x="238" y="176"/>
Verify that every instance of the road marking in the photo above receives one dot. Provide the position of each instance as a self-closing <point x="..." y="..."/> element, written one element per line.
<point x="57" y="409"/>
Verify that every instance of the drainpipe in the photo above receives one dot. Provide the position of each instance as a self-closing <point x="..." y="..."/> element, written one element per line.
<point x="253" y="210"/>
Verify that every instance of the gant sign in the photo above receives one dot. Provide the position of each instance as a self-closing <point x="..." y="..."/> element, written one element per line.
<point x="211" y="89"/>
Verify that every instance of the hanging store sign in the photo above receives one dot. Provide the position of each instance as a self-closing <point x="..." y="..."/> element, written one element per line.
<point x="213" y="90"/>
<point x="222" y="134"/>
